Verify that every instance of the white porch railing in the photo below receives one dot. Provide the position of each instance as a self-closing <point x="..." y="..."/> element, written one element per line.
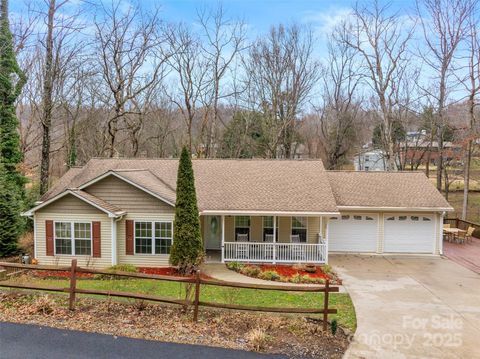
<point x="275" y="252"/>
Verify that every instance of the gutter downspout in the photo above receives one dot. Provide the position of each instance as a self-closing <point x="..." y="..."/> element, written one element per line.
<point x="440" y="233"/>
<point x="114" y="239"/>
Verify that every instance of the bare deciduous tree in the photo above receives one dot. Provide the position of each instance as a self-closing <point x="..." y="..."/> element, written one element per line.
<point x="381" y="41"/>
<point x="444" y="24"/>
<point x="131" y="57"/>
<point x="281" y="73"/>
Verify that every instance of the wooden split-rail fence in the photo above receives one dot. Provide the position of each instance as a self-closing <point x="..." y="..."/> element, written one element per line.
<point x="196" y="280"/>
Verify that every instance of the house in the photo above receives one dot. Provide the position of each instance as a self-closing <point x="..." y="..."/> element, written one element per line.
<point x="371" y="160"/>
<point x="114" y="211"/>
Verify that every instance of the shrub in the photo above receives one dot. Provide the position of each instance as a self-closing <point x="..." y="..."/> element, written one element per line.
<point x="26" y="243"/>
<point x="251" y="271"/>
<point x="235" y="266"/>
<point x="117" y="268"/>
<point x="269" y="275"/>
<point x="327" y="269"/>
<point x="334" y="326"/>
<point x="43" y="305"/>
<point x="258" y="338"/>
<point x="187" y="248"/>
<point x="296" y="278"/>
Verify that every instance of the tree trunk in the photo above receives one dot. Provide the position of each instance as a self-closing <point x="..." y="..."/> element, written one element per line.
<point x="466" y="179"/>
<point x="47" y="102"/>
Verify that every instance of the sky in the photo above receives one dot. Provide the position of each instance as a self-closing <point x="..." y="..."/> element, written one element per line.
<point x="259" y="15"/>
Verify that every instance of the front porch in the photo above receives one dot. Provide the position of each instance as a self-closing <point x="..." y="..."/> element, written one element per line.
<point x="265" y="239"/>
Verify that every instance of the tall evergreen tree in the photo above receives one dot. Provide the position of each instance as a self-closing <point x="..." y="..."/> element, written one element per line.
<point x="187" y="248"/>
<point x="12" y="183"/>
<point x="12" y="80"/>
<point x="11" y="224"/>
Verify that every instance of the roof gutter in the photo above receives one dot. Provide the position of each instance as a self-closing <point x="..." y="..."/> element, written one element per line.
<point x="265" y="213"/>
<point x="396" y="209"/>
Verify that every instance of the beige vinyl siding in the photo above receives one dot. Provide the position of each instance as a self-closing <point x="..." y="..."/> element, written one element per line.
<point x="127" y="197"/>
<point x="256" y="229"/>
<point x="284" y="229"/>
<point x="70" y="204"/>
<point x="229" y="229"/>
<point x="313" y="229"/>
<point x="141" y="260"/>
<point x="68" y="216"/>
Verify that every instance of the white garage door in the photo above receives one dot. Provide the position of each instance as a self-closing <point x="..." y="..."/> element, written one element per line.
<point x="353" y="233"/>
<point x="409" y="233"/>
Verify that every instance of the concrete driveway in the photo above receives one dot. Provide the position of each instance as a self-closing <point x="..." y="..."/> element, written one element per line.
<point x="412" y="307"/>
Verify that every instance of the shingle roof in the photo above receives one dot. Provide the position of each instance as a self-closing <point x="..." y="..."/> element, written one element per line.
<point x="385" y="189"/>
<point x="98" y="202"/>
<point x="267" y="185"/>
<point x="243" y="185"/>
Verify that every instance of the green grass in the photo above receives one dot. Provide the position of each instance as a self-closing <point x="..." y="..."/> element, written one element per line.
<point x="341" y="301"/>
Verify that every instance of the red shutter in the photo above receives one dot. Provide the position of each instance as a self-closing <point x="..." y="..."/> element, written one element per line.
<point x="96" y="239"/>
<point x="49" y="237"/>
<point x="129" y="237"/>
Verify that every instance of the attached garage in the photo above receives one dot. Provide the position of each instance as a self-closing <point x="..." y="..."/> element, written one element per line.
<point x="409" y="233"/>
<point x="353" y="232"/>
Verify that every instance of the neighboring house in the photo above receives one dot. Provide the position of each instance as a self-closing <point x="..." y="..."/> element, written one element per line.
<point x="372" y="160"/>
<point x="114" y="211"/>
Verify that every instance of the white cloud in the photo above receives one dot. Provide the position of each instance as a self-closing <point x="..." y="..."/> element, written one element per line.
<point x="323" y="22"/>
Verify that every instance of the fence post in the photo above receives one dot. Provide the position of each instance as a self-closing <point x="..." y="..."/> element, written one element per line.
<point x="325" y="305"/>
<point x="197" y="296"/>
<point x="73" y="284"/>
<point x="456" y="222"/>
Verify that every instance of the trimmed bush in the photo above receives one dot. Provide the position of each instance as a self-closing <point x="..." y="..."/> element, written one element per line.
<point x="117" y="268"/>
<point x="251" y="271"/>
<point x="235" y="266"/>
<point x="269" y="275"/>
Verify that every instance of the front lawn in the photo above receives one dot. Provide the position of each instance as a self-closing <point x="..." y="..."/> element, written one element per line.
<point x="340" y="301"/>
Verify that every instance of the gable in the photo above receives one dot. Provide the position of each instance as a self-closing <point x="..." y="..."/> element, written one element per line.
<point x="126" y="196"/>
<point x="70" y="204"/>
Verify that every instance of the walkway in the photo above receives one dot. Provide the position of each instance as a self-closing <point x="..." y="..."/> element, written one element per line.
<point x="411" y="307"/>
<point x="21" y="341"/>
<point x="467" y="255"/>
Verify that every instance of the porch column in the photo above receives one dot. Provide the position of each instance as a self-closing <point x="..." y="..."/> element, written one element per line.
<point x="114" y="241"/>
<point x="327" y="237"/>
<point x="274" y="238"/>
<point x="223" y="238"/>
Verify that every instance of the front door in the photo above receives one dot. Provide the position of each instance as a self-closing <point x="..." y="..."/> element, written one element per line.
<point x="213" y="232"/>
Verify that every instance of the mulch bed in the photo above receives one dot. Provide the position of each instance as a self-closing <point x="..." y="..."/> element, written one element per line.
<point x="291" y="335"/>
<point x="290" y="271"/>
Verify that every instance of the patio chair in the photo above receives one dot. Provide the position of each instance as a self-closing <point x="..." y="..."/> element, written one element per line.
<point x="242" y="237"/>
<point x="461" y="237"/>
<point x="295" y="238"/>
<point x="469" y="234"/>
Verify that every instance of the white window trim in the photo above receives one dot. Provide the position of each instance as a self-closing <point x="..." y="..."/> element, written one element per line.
<point x="72" y="238"/>
<point x="249" y="228"/>
<point x="153" y="237"/>
<point x="276" y="230"/>
<point x="292" y="228"/>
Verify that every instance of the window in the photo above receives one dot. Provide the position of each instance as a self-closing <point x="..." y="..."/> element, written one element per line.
<point x="163" y="237"/>
<point x="72" y="238"/>
<point x="426" y="219"/>
<point x="390" y="218"/>
<point x="83" y="238"/>
<point x="153" y="237"/>
<point x="402" y="218"/>
<point x="414" y="218"/>
<point x="268" y="227"/>
<point x="333" y="218"/>
<point x="299" y="227"/>
<point x="358" y="218"/>
<point x="345" y="217"/>
<point x="242" y="226"/>
<point x="368" y="218"/>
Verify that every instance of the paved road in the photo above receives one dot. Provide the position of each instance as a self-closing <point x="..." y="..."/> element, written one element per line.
<point x="30" y="341"/>
<point x="411" y="307"/>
